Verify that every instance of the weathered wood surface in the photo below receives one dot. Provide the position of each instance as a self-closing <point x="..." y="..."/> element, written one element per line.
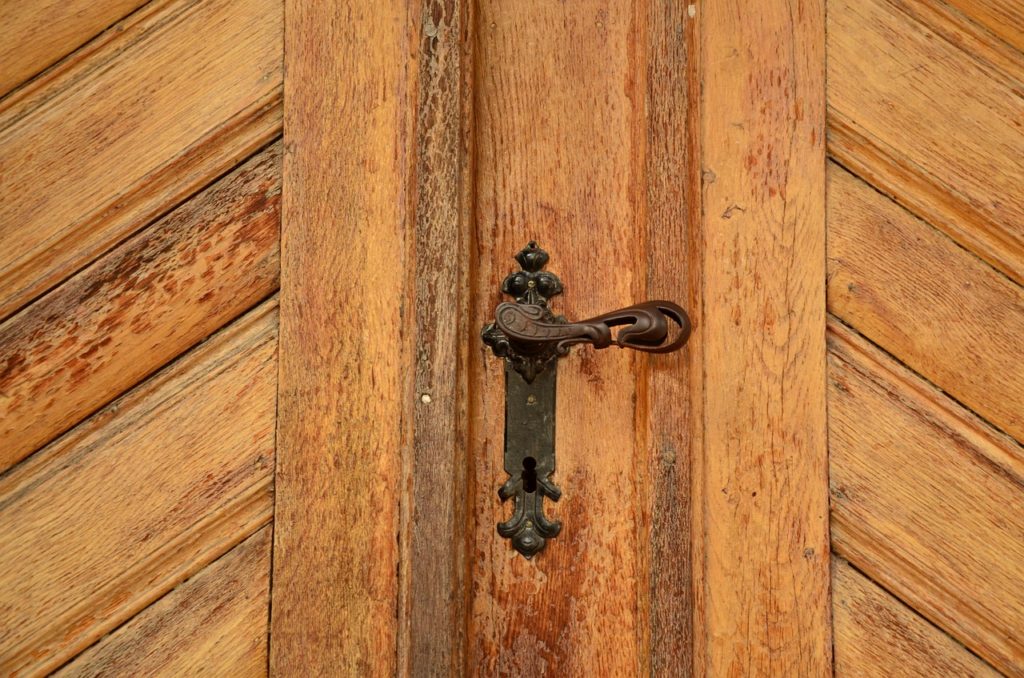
<point x="669" y="385"/>
<point x="346" y="386"/>
<point x="935" y="126"/>
<point x="139" y="306"/>
<point x="178" y="97"/>
<point x="133" y="501"/>
<point x="559" y="136"/>
<point x="761" y="524"/>
<point x="33" y="35"/>
<point x="912" y="290"/>
<point x="877" y="636"/>
<point x="215" y="624"/>
<point x="432" y="624"/>
<point x="927" y="499"/>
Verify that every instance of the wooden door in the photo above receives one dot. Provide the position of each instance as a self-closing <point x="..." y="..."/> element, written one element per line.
<point x="247" y="423"/>
<point x="656" y="150"/>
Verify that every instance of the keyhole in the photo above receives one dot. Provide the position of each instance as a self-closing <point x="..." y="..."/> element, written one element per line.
<point x="530" y="474"/>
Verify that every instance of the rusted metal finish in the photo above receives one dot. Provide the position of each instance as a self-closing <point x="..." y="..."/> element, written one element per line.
<point x="530" y="337"/>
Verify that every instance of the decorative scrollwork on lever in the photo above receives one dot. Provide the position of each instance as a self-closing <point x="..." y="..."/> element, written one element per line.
<point x="648" y="330"/>
<point x="530" y="338"/>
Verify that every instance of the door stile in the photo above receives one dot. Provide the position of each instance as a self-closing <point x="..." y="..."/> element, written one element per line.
<point x="761" y="538"/>
<point x="668" y="387"/>
<point x="433" y="570"/>
<point x="345" y="393"/>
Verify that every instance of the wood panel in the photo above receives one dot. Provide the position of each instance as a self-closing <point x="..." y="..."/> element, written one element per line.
<point x="119" y="511"/>
<point x="432" y="628"/>
<point x="669" y="385"/>
<point x="33" y="35"/>
<point x="877" y="636"/>
<point x="559" y="95"/>
<point x="917" y="294"/>
<point x="962" y="166"/>
<point x="927" y="499"/>
<point x="180" y="96"/>
<point x="968" y="26"/>
<point x="761" y="505"/>
<point x="139" y="306"/>
<point x="214" y="624"/>
<point x="345" y="385"/>
<point x="1004" y="18"/>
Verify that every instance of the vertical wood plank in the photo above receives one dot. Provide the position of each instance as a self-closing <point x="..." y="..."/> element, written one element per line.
<point x="345" y="386"/>
<point x="668" y="384"/>
<point x="433" y="638"/>
<point x="762" y="490"/>
<point x="559" y="93"/>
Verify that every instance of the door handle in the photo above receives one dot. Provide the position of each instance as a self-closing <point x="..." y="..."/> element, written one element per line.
<point x="530" y="338"/>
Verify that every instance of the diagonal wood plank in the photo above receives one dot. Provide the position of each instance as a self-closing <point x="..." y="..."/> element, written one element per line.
<point x="33" y="35"/>
<point x="1005" y="18"/>
<point x="927" y="499"/>
<point x="877" y="636"/>
<point x="916" y="293"/>
<point x="760" y="486"/>
<point x="215" y="624"/>
<point x="139" y="497"/>
<point x="962" y="166"/>
<point x="195" y="87"/>
<point x="139" y="306"/>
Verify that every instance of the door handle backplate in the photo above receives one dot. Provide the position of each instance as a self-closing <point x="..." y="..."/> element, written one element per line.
<point x="531" y="338"/>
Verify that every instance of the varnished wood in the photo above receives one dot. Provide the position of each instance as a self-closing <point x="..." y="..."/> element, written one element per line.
<point x="139" y="306"/>
<point x="912" y="290"/>
<point x="195" y="88"/>
<point x="877" y="636"/>
<point x="763" y="547"/>
<point x="139" y="497"/>
<point x="34" y="35"/>
<point x="345" y="395"/>
<point x="1004" y="18"/>
<point x="559" y="138"/>
<point x="970" y="26"/>
<point x="927" y="499"/>
<point x="214" y="624"/>
<point x="432" y="638"/>
<point x="935" y="126"/>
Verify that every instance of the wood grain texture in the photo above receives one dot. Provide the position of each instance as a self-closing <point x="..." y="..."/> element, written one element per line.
<point x="927" y="499"/>
<point x="33" y="35"/>
<point x="214" y="624"/>
<point x="179" y="96"/>
<point x="762" y="528"/>
<point x="139" y="306"/>
<point x="877" y="636"/>
<point x="1004" y="18"/>
<point x="432" y="627"/>
<point x="967" y="24"/>
<point x="559" y="93"/>
<point x="913" y="291"/>
<point x="104" y="521"/>
<point x="670" y="384"/>
<point x="932" y="125"/>
<point x="345" y="393"/>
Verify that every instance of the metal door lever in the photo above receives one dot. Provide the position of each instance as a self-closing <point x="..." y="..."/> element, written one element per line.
<point x="531" y="338"/>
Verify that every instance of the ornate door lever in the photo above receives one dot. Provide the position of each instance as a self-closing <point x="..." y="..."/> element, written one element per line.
<point x="531" y="338"/>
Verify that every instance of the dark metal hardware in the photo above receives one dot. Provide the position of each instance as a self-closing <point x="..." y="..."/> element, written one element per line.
<point x="531" y="338"/>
